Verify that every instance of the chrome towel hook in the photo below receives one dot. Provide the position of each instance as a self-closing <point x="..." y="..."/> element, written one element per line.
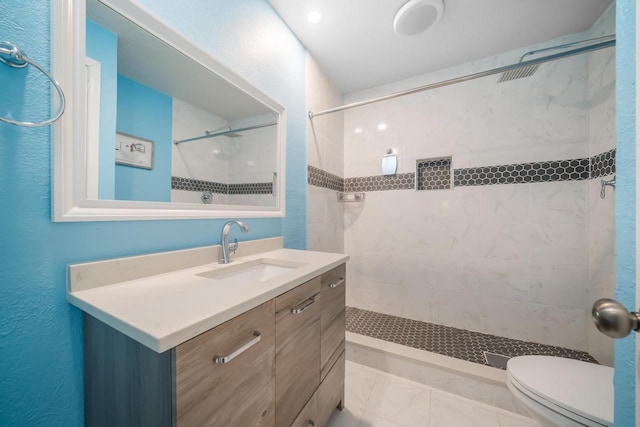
<point x="611" y="182"/>
<point x="12" y="56"/>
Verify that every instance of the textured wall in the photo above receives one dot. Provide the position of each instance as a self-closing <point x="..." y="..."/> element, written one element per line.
<point x="40" y="333"/>
<point x="625" y="362"/>
<point x="325" y="139"/>
<point x="102" y="46"/>
<point x="145" y="113"/>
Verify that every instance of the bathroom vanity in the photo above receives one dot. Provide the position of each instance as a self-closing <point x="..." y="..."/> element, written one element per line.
<point x="168" y="342"/>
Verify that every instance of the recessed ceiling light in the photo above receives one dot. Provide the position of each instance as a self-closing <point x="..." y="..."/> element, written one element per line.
<point x="314" y="16"/>
<point x="357" y="130"/>
<point x="416" y="16"/>
<point x="382" y="126"/>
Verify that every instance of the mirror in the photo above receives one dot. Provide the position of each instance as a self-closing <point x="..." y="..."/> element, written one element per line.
<point x="168" y="131"/>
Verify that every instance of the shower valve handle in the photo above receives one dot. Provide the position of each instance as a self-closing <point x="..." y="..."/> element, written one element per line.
<point x="613" y="319"/>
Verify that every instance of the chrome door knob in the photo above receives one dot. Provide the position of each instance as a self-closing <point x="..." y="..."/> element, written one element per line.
<point x="613" y="319"/>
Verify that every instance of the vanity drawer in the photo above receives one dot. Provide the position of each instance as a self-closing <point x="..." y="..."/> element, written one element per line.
<point x="330" y="394"/>
<point x="308" y="417"/>
<point x="236" y="391"/>
<point x="327" y="398"/>
<point x="297" y="349"/>
<point x="333" y="322"/>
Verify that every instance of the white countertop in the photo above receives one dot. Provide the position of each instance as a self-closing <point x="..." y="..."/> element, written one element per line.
<point x="164" y="310"/>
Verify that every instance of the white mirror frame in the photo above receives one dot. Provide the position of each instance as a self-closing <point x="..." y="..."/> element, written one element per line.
<point x="69" y="156"/>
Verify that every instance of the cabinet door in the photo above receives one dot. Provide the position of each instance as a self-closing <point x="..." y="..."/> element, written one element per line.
<point x="297" y="349"/>
<point x="308" y="417"/>
<point x="333" y="316"/>
<point x="330" y="395"/>
<point x="238" y="391"/>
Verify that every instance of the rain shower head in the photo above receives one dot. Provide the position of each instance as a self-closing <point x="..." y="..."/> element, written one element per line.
<point x="228" y="133"/>
<point x="519" y="73"/>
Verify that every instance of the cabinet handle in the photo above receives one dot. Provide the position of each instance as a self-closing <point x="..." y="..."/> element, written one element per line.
<point x="337" y="283"/>
<point x="302" y="307"/>
<point x="225" y="359"/>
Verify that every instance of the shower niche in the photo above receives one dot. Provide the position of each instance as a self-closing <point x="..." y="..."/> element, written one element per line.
<point x="434" y="174"/>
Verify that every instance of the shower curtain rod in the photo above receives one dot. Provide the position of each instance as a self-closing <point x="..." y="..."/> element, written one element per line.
<point x="212" y="135"/>
<point x="603" y="42"/>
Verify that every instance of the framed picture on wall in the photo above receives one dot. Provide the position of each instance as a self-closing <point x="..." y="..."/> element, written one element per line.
<point x="134" y="151"/>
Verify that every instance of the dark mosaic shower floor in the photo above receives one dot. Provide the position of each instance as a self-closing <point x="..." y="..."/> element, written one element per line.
<point x="453" y="342"/>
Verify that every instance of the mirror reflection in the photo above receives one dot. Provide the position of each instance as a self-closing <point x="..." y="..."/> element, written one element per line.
<point x="161" y="127"/>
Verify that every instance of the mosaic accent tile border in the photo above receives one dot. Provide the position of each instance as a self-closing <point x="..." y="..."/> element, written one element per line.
<point x="190" y="184"/>
<point x="448" y="341"/>
<point x="324" y="179"/>
<point x="563" y="170"/>
<point x="401" y="181"/>
<point x="430" y="177"/>
<point x="251" y="188"/>
<point x="434" y="174"/>
<point x="603" y="164"/>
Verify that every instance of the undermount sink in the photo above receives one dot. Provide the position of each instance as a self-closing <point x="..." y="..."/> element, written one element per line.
<point x="259" y="270"/>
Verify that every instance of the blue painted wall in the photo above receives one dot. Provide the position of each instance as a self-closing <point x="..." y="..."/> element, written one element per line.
<point x="145" y="113"/>
<point x="625" y="367"/>
<point x="40" y="333"/>
<point x="102" y="45"/>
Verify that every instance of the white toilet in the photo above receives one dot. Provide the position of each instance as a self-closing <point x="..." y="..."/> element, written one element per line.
<point x="562" y="392"/>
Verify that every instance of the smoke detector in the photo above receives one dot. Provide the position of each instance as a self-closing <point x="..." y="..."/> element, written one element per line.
<point x="417" y="16"/>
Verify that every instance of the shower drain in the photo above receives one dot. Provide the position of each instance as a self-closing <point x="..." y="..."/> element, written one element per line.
<point x="496" y="360"/>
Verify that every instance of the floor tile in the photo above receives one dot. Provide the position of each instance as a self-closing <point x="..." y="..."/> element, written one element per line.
<point x="359" y="381"/>
<point x="377" y="399"/>
<point x="448" y="410"/>
<point x="345" y="418"/>
<point x="404" y="402"/>
<point x="453" y="342"/>
<point x="372" y="420"/>
<point x="513" y="420"/>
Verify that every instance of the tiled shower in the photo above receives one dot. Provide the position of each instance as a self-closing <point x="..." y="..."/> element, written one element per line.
<point x="518" y="243"/>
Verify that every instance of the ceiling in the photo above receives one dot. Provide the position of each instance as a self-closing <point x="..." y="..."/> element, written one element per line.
<point x="355" y="44"/>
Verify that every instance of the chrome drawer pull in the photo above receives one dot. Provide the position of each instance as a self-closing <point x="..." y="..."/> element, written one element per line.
<point x="225" y="359"/>
<point x="302" y="307"/>
<point x="337" y="283"/>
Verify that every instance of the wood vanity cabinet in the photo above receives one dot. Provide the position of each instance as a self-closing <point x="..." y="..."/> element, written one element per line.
<point x="127" y="384"/>
<point x="332" y="319"/>
<point x="330" y="393"/>
<point x="297" y="349"/>
<point x="279" y="364"/>
<point x="215" y="387"/>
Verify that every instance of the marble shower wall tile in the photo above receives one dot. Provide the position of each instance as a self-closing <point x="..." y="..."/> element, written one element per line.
<point x="325" y="150"/>
<point x="513" y="260"/>
<point x="602" y="137"/>
<point x="197" y="159"/>
<point x="422" y="255"/>
<point x="325" y="147"/>
<point x="432" y="263"/>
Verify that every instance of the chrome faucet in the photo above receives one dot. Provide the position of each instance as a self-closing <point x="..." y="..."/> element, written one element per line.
<point x="226" y="246"/>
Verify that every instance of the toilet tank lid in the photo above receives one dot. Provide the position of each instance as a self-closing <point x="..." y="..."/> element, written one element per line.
<point x="580" y="387"/>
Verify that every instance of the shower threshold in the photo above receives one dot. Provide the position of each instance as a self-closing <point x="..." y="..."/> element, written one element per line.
<point x="476" y="347"/>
